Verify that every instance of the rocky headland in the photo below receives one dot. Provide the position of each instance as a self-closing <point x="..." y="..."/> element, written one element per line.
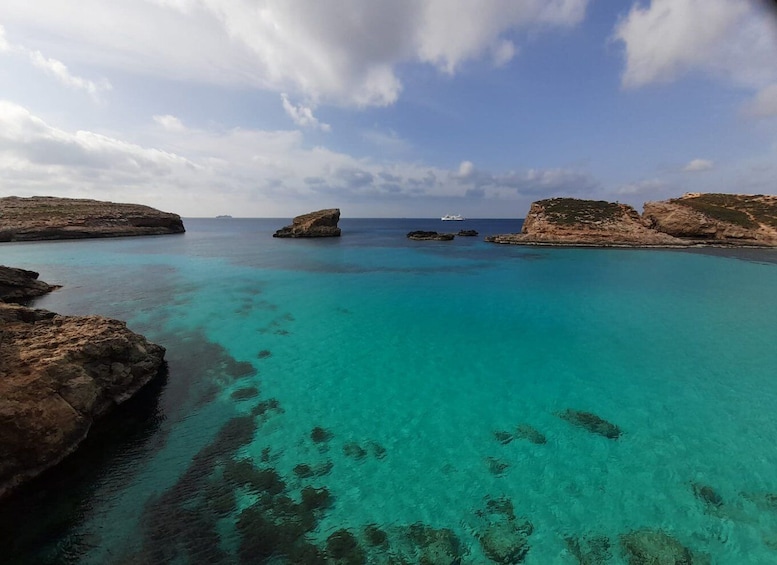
<point x="46" y="217"/>
<point x="322" y="223"/>
<point x="58" y="376"/>
<point x="691" y="220"/>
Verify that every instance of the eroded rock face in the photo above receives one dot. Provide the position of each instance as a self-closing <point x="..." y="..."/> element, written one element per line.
<point x="46" y="217"/>
<point x="570" y="221"/>
<point x="58" y="375"/>
<point x="20" y="285"/>
<point x="322" y="223"/>
<point x="716" y="218"/>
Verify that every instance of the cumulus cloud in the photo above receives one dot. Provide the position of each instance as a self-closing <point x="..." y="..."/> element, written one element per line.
<point x="466" y="168"/>
<point x="304" y="48"/>
<point x="696" y="165"/>
<point x="55" y="68"/>
<point x="732" y="40"/>
<point x="303" y="115"/>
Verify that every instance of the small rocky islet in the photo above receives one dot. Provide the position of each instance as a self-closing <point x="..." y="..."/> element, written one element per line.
<point x="694" y="219"/>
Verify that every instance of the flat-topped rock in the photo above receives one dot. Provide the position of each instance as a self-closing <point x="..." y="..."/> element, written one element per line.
<point x="47" y="217"/>
<point x="58" y="375"/>
<point x="420" y="235"/>
<point x="20" y="285"/>
<point x="322" y="223"/>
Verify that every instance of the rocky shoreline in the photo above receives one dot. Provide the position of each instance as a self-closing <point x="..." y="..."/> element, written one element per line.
<point x="58" y="376"/>
<point x="322" y="223"/>
<point x="693" y="220"/>
<point x="46" y="218"/>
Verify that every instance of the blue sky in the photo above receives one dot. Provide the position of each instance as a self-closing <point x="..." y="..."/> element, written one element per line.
<point x="409" y="108"/>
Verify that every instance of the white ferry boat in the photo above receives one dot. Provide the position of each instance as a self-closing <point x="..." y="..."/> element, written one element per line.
<point x="452" y="217"/>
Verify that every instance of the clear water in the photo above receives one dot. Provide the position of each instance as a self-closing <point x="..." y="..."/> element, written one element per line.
<point x="417" y="353"/>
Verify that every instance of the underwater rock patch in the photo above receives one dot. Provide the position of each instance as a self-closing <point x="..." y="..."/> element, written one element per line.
<point x="378" y="451"/>
<point x="496" y="466"/>
<point x="707" y="495"/>
<point x="316" y="498"/>
<point x="344" y="549"/>
<point x="503" y="437"/>
<point x="320" y="435"/>
<point x="354" y="451"/>
<point x="267" y="407"/>
<point x="525" y="431"/>
<point x="374" y="536"/>
<point x="648" y="547"/>
<point x="244" y="393"/>
<point x="591" y="422"/>
<point x="264" y="354"/>
<point x="594" y="550"/>
<point x="503" y="537"/>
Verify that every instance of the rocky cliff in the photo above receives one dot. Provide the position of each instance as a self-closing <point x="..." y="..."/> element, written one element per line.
<point x="570" y="221"/>
<point x="20" y="285"/>
<point x="322" y="223"/>
<point x="45" y="217"/>
<point x="734" y="219"/>
<point x="694" y="219"/>
<point x="58" y="375"/>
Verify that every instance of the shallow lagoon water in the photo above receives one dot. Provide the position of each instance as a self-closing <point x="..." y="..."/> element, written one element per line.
<point x="411" y="355"/>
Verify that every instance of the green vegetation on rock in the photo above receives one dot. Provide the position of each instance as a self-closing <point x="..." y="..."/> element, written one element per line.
<point x="570" y="211"/>
<point x="741" y="210"/>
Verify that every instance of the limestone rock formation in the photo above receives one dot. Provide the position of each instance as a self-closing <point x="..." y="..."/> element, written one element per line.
<point x="58" y="375"/>
<point x="20" y="285"/>
<point x="421" y="235"/>
<point x="322" y="223"/>
<point x="46" y="217"/>
<point x="694" y="219"/>
<point x="570" y="221"/>
<point x="716" y="218"/>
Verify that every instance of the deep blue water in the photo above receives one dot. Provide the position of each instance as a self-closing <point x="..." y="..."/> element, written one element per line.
<point x="423" y="367"/>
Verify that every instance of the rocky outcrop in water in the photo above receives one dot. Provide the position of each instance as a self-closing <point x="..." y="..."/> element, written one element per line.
<point x="570" y="221"/>
<point x="58" y="375"/>
<point x="322" y="223"/>
<point x="420" y="235"/>
<point x="644" y="547"/>
<point x="20" y="285"/>
<point x="733" y="219"/>
<point x="693" y="219"/>
<point x="46" y="217"/>
<point x="467" y="233"/>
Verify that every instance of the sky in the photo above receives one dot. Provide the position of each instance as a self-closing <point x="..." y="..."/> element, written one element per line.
<point x="386" y="108"/>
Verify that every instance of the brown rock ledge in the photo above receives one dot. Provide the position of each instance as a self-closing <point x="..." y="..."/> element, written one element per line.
<point x="322" y="223"/>
<point x="20" y="285"/>
<point x="59" y="375"/>
<point x="46" y="217"/>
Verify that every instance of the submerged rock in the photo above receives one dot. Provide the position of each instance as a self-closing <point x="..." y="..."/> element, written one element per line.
<point x="591" y="422"/>
<point x="59" y="375"/>
<point x="496" y="466"/>
<point x="506" y="542"/>
<point x="595" y="550"/>
<point x="525" y="431"/>
<point x="320" y="435"/>
<point x="503" y="437"/>
<point x="343" y="548"/>
<point x="707" y="494"/>
<point x="654" y="547"/>
<point x="46" y="217"/>
<point x="322" y="223"/>
<point x="420" y="235"/>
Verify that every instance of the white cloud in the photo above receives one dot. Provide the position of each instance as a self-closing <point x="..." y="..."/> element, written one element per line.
<point x="170" y="123"/>
<point x="764" y="103"/>
<point x="303" y="115"/>
<point x="340" y="51"/>
<point x="698" y="165"/>
<point x="55" y="68"/>
<point x="253" y="172"/>
<point x="731" y="39"/>
<point x="641" y="187"/>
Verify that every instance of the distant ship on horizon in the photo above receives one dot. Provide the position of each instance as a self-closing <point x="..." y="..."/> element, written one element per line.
<point x="452" y="217"/>
<point x="224" y="216"/>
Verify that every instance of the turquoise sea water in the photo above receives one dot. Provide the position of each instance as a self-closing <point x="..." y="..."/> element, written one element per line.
<point x="411" y="357"/>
